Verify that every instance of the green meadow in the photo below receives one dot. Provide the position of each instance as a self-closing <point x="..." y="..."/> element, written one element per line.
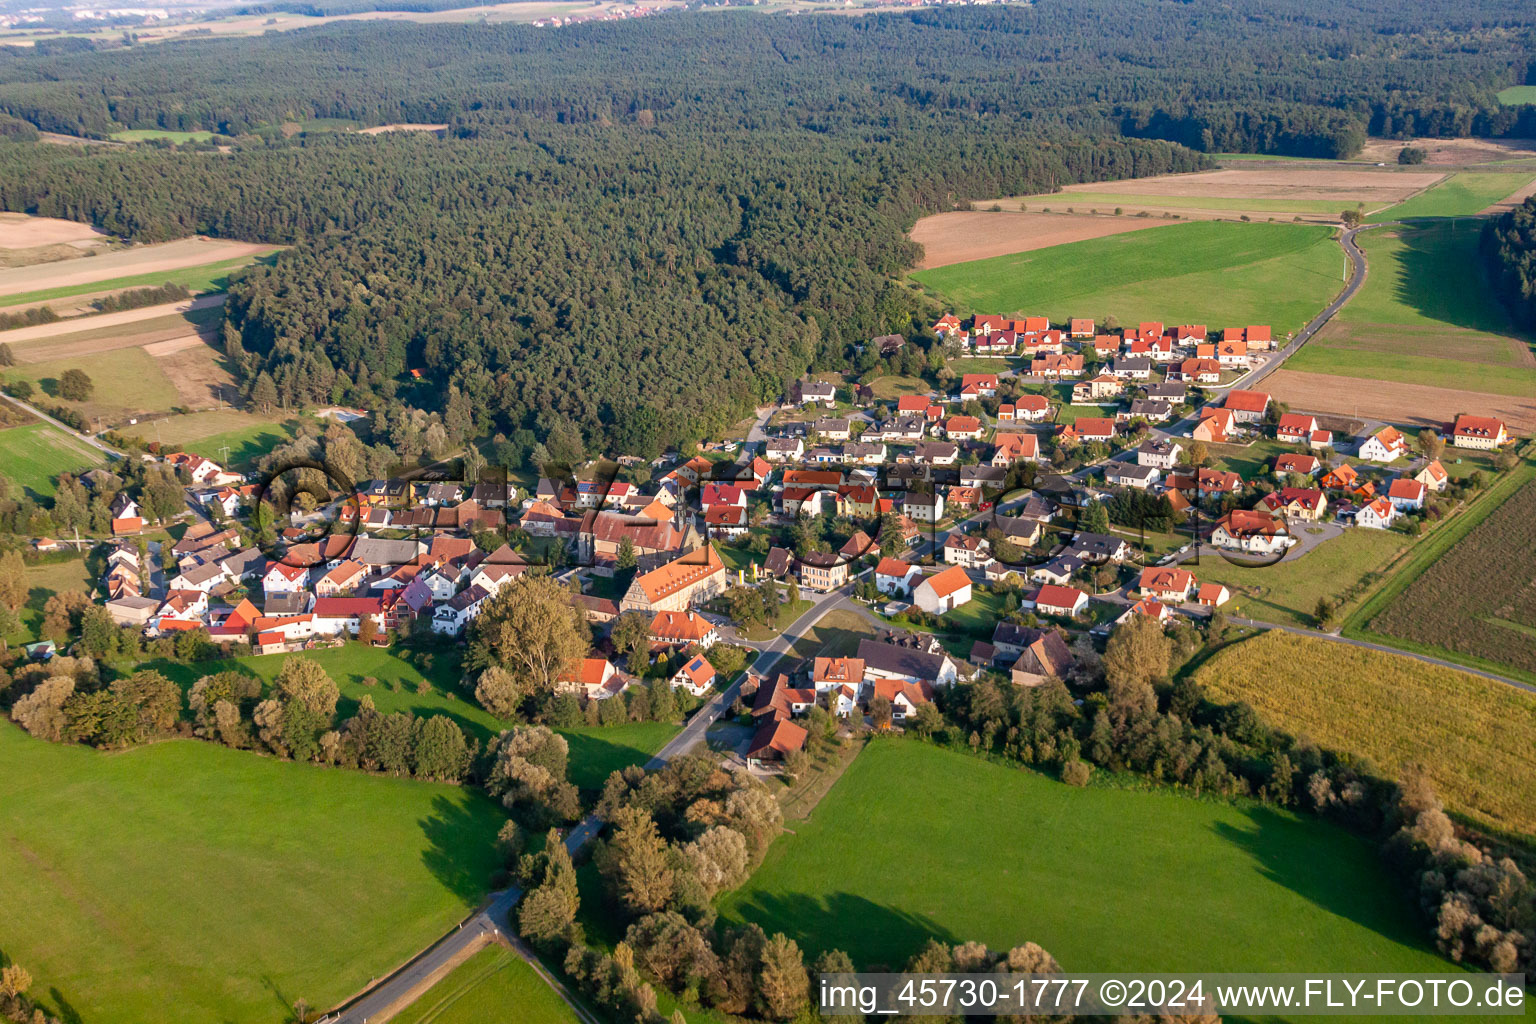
<point x="145" y="134"/>
<point x="210" y="277"/>
<point x="495" y="984"/>
<point x="1460" y="195"/>
<point x="1425" y="315"/>
<point x="917" y="842"/>
<point x="33" y="456"/>
<point x="187" y="882"/>
<point x="1517" y="94"/>
<point x="1211" y="272"/>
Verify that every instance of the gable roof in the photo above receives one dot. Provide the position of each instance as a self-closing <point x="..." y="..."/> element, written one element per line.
<point x="947" y="582"/>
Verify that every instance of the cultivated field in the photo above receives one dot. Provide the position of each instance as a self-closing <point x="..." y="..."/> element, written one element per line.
<point x="32" y="456"/>
<point x="1460" y="195"/>
<point x="1153" y="880"/>
<point x="1393" y="402"/>
<point x="1288" y="591"/>
<point x="1479" y="598"/>
<point x="492" y="985"/>
<point x="104" y="321"/>
<point x="976" y="234"/>
<point x="197" y="370"/>
<point x="87" y="340"/>
<point x="136" y="267"/>
<point x="187" y="882"/>
<point x="1476" y="745"/>
<point x="1316" y="191"/>
<point x="1224" y="273"/>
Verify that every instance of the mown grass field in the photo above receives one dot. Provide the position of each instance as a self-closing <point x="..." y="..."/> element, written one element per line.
<point x="1288" y="591"/>
<point x="915" y="841"/>
<point x="1475" y="746"/>
<point x="1425" y="315"/>
<point x="1517" y="94"/>
<point x="246" y="436"/>
<point x="187" y="882"/>
<point x="126" y="380"/>
<point x="494" y="984"/>
<point x="33" y="456"/>
<point x="1203" y="272"/>
<point x="43" y="581"/>
<point x="1107" y="201"/>
<point x="210" y="277"/>
<point x="599" y="751"/>
<point x="1460" y="195"/>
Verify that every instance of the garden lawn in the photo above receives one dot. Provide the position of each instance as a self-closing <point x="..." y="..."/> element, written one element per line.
<point x="33" y="456"/>
<point x="1288" y="591"/>
<point x="915" y="841"/>
<point x="1460" y="195"/>
<point x="210" y="277"/>
<point x="1475" y="747"/>
<point x="493" y="985"/>
<point x="187" y="882"/>
<point x="1205" y="272"/>
<point x="246" y="436"/>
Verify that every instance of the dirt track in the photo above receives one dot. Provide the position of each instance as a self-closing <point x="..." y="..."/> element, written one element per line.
<point x="103" y="320"/>
<point x="1395" y="403"/>
<point x="143" y="259"/>
<point x="976" y="234"/>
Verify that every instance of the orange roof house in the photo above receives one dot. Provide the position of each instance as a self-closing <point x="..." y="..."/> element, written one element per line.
<point x="1080" y="327"/>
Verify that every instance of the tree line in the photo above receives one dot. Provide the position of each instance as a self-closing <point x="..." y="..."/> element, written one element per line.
<point x="1509" y="251"/>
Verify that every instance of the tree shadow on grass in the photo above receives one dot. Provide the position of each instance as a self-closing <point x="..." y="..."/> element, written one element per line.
<point x="460" y="848"/>
<point x="877" y="937"/>
<point x="593" y="758"/>
<point x="1432" y="250"/>
<point x="1332" y="869"/>
<point x="64" y="1009"/>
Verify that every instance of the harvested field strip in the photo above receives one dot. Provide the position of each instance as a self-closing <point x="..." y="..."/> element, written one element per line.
<point x="122" y="318"/>
<point x="1331" y="184"/>
<point x="102" y="271"/>
<point x="1489" y="573"/>
<point x="210" y="277"/>
<point x="975" y="234"/>
<point x="1475" y="746"/>
<point x="1422" y="405"/>
<point x="23" y="231"/>
<point x="1461" y="195"/>
<point x="1081" y="201"/>
<point x="134" y="335"/>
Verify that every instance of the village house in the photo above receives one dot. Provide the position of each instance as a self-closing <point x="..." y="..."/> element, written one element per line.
<point x="784" y="449"/>
<point x="1480" y="432"/>
<point x="946" y="325"/>
<point x="1053" y="366"/>
<point x="1406" y="495"/>
<point x="682" y="630"/>
<point x="1012" y="446"/>
<point x="687" y="580"/>
<point x="925" y="508"/>
<point x="1128" y="474"/>
<point x="281" y="578"/>
<point x="1094" y="390"/>
<point x="1255" y="532"/>
<point x="725" y="522"/>
<point x="1342" y="477"/>
<point x="1386" y="445"/>
<point x="345" y="578"/>
<point x="1433" y="476"/>
<point x="944" y="591"/>
<point x="1246" y="406"/>
<point x="819" y="392"/>
<point x="935" y="453"/>
<point x="453" y="615"/>
<point x="1132" y="368"/>
<point x="1080" y="327"/>
<point x="895" y="661"/>
<point x="1212" y="595"/>
<point x="832" y="428"/>
<point x="1305" y="465"/>
<point x="971" y="552"/>
<point x="1066" y="602"/>
<point x="1159" y="454"/>
<point x="591" y="678"/>
<point x="1215" y="425"/>
<point x="1378" y="514"/>
<point x="1090" y="428"/>
<point x="977" y="385"/>
<point x="1295" y="427"/>
<point x="1201" y="371"/>
<point x="344" y="615"/>
<point x="774" y="740"/>
<point x="822" y="571"/>
<point x="1296" y="503"/>
<point x="1169" y="584"/>
<point x="1150" y="409"/>
<point x="1320" y="439"/>
<point x="697" y="676"/>
<point x="962" y="428"/>
<point x="893" y="576"/>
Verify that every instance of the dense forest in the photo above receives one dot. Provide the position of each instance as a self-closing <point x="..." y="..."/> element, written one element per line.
<point x="1509" y="246"/>
<point x="646" y="227"/>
